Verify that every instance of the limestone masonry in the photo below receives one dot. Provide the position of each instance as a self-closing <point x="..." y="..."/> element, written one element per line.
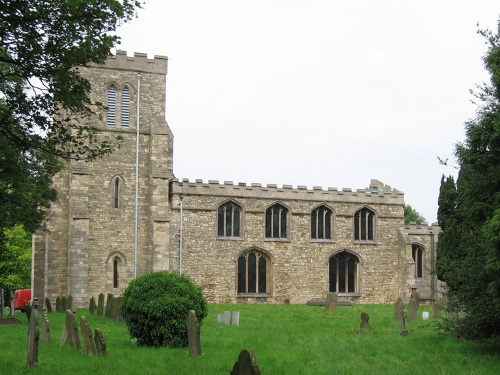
<point x="240" y="242"/>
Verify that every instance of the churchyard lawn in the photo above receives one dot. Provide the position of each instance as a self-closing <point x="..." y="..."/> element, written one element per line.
<point x="286" y="339"/>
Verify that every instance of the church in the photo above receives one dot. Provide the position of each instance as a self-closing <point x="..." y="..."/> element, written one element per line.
<point x="126" y="214"/>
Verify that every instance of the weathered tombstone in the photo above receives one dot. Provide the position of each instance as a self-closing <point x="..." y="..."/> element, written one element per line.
<point x="331" y="301"/>
<point x="1" y="302"/>
<point x="27" y="309"/>
<point x="236" y="318"/>
<point x="12" y="303"/>
<point x="404" y="331"/>
<point x="226" y="318"/>
<point x="109" y="305"/>
<point x="118" y="312"/>
<point x="413" y="306"/>
<point x="364" y="320"/>
<point x="69" y="303"/>
<point x="33" y="337"/>
<point x="92" y="306"/>
<point x="399" y="309"/>
<point x="87" y="336"/>
<point x="58" y="304"/>
<point x="48" y="305"/>
<point x="436" y="309"/>
<point x="100" y="344"/>
<point x="72" y="328"/>
<point x="425" y="315"/>
<point x="114" y="308"/>
<point x="64" y="304"/>
<point x="193" y="328"/>
<point x="219" y="318"/>
<point x="246" y="364"/>
<point x="46" y="328"/>
<point x="100" y="304"/>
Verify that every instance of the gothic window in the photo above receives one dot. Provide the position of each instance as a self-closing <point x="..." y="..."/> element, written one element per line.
<point x="254" y="270"/>
<point x="417" y="255"/>
<point x="228" y="220"/>
<point x="116" y="192"/>
<point x="276" y="221"/>
<point x="321" y="223"/>
<point x="125" y="110"/>
<point x="343" y="273"/>
<point x="364" y="225"/>
<point x="115" y="272"/>
<point x="111" y="120"/>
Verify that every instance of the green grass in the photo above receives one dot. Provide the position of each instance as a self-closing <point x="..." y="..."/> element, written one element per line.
<point x="286" y="339"/>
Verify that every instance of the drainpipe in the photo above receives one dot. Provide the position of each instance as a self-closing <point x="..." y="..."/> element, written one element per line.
<point x="136" y="224"/>
<point x="180" y="239"/>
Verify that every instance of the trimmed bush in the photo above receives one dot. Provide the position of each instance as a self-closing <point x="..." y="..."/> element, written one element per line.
<point x="155" y="307"/>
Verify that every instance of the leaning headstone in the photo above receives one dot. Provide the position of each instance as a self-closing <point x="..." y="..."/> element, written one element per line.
<point x="219" y="318"/>
<point x="236" y="318"/>
<point x="100" y="304"/>
<point x="109" y="305"/>
<point x="27" y="309"/>
<point x="72" y="328"/>
<point x="58" y="304"/>
<point x="331" y="302"/>
<point x="399" y="309"/>
<point x="92" y="306"/>
<point x="226" y="318"/>
<point x="413" y="307"/>
<point x="100" y="344"/>
<point x="33" y="337"/>
<point x="246" y="364"/>
<point x="45" y="328"/>
<point x="69" y="303"/>
<point x="364" y="320"/>
<point x="87" y="336"/>
<point x="193" y="328"/>
<point x="48" y="305"/>
<point x="404" y="331"/>
<point x="64" y="304"/>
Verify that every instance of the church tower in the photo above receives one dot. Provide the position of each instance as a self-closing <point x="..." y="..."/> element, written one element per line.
<point x="112" y="216"/>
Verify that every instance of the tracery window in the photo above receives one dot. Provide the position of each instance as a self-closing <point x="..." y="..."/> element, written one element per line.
<point x="417" y="255"/>
<point x="228" y="220"/>
<point x="254" y="270"/>
<point x="364" y="225"/>
<point x="321" y="223"/>
<point x="111" y="119"/>
<point x="343" y="273"/>
<point x="276" y="221"/>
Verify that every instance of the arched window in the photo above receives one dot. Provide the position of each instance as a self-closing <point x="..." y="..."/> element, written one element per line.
<point x="417" y="253"/>
<point x="116" y="192"/>
<point x="254" y="270"/>
<point x="343" y="273"/>
<point x="276" y="221"/>
<point x="125" y="110"/>
<point x="364" y="225"/>
<point x="111" y="120"/>
<point x="228" y="220"/>
<point x="321" y="223"/>
<point x="116" y="278"/>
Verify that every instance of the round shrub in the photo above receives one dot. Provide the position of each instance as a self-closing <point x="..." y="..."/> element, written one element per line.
<point x="156" y="305"/>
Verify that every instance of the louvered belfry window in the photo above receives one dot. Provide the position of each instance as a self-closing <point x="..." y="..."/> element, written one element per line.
<point x="111" y="121"/>
<point x="125" y="115"/>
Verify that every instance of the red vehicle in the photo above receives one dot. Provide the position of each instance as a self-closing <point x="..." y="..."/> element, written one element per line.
<point x="20" y="297"/>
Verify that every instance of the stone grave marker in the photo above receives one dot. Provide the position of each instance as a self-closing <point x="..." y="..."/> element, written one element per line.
<point x="226" y="318"/>
<point x="100" y="344"/>
<point x="72" y="329"/>
<point x="413" y="306"/>
<point x="109" y="305"/>
<point x="58" y="304"/>
<point x="115" y="302"/>
<point x="48" y="305"/>
<point x="436" y="309"/>
<point x="27" y="309"/>
<point x="331" y="302"/>
<point x="236" y="318"/>
<point x="219" y="318"/>
<point x="45" y="328"/>
<point x="64" y="304"/>
<point x="87" y="336"/>
<point x="193" y="328"/>
<point x="12" y="309"/>
<point x="100" y="304"/>
<point x="92" y="306"/>
<point x="118" y="312"/>
<point x="364" y="320"/>
<point x="246" y="364"/>
<point x="1" y="302"/>
<point x="33" y="337"/>
<point x="399" y="308"/>
<point x="404" y="331"/>
<point x="69" y="303"/>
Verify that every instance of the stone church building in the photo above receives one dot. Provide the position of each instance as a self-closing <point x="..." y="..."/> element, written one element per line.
<point x="127" y="213"/>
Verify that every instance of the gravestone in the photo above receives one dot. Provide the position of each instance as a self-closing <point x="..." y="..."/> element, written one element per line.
<point x="399" y="309"/>
<point x="413" y="306"/>
<point x="109" y="305"/>
<point x="331" y="302"/>
<point x="236" y="318"/>
<point x="436" y="309"/>
<point x="118" y="312"/>
<point x="12" y="303"/>
<point x="69" y="303"/>
<point x="58" y="304"/>
<point x="100" y="304"/>
<point x="404" y="331"/>
<point x="115" y="302"/>
<point x="100" y="344"/>
<point x="364" y="320"/>
<point x="226" y="318"/>
<point x="87" y="336"/>
<point x="246" y="364"/>
<point x="45" y="328"/>
<point x="48" y="305"/>
<point x="193" y="328"/>
<point x="92" y="306"/>
<point x="219" y="318"/>
<point x="33" y="337"/>
<point x="64" y="304"/>
<point x="27" y="309"/>
<point x="1" y="302"/>
<point x="72" y="329"/>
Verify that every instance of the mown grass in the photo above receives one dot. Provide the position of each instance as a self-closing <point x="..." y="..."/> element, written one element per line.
<point x="286" y="339"/>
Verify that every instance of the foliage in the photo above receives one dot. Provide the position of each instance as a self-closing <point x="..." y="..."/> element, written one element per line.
<point x="155" y="307"/>
<point x="411" y="215"/>
<point x="42" y="46"/>
<point x="468" y="252"/>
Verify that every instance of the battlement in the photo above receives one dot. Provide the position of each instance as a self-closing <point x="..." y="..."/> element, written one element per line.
<point x="241" y="189"/>
<point x="139" y="62"/>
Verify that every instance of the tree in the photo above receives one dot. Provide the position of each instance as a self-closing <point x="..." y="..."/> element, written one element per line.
<point x="42" y="45"/>
<point x="411" y="215"/>
<point x="468" y="253"/>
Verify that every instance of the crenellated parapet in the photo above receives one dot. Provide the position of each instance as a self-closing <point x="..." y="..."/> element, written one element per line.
<point x="139" y="62"/>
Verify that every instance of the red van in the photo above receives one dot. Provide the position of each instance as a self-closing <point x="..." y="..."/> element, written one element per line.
<point x="21" y="296"/>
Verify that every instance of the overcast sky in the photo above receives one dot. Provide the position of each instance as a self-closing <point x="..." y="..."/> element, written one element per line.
<point x="318" y="92"/>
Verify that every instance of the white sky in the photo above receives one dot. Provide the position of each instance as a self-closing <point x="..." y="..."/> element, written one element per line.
<point x="318" y="92"/>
